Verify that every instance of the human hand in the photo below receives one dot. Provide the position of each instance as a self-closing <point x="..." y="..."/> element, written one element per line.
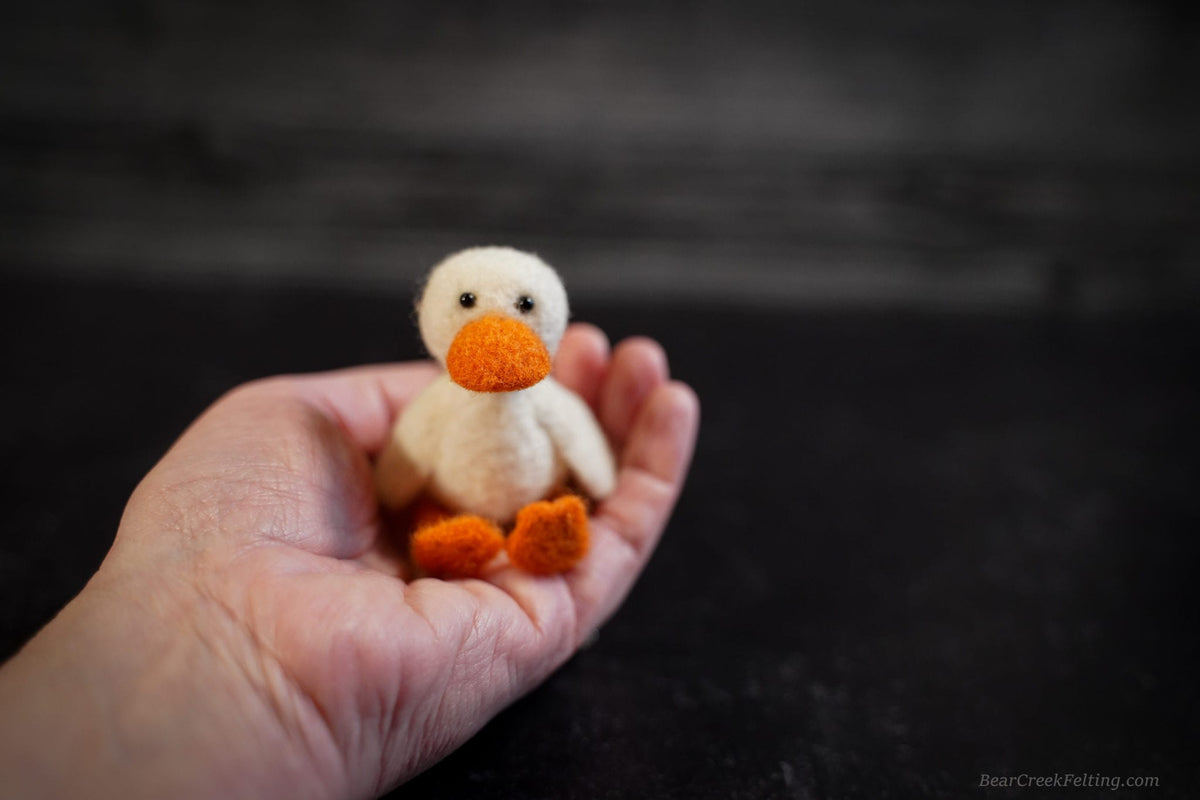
<point x="251" y="632"/>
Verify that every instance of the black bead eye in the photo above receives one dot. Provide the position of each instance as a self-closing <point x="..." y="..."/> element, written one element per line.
<point x="525" y="304"/>
<point x="467" y="300"/>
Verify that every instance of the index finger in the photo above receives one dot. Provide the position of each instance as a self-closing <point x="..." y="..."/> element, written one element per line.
<point x="582" y="361"/>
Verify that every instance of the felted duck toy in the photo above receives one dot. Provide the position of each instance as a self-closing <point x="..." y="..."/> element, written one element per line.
<point x="494" y="442"/>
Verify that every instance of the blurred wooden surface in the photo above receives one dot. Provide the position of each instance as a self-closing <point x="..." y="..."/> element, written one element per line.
<point x="929" y="153"/>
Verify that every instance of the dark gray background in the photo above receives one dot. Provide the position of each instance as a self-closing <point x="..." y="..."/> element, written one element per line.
<point x="992" y="153"/>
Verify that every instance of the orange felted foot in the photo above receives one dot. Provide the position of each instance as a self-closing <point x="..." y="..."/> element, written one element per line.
<point x="550" y="536"/>
<point x="457" y="547"/>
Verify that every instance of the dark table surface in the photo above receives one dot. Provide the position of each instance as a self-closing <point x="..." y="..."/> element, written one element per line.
<point x="912" y="550"/>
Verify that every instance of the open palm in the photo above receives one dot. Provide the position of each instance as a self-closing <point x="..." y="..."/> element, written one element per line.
<point x="265" y="511"/>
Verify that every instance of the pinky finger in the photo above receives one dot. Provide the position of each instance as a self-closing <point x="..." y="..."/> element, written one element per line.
<point x="628" y="525"/>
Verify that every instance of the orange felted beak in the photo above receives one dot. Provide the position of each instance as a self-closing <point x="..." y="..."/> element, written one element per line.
<point x="497" y="354"/>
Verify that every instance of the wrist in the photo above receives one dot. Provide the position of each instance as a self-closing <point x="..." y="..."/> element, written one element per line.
<point x="147" y="687"/>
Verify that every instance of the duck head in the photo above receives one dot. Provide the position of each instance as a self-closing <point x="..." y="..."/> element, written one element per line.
<point x="493" y="317"/>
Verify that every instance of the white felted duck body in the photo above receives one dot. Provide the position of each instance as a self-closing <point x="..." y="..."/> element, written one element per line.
<point x="494" y="439"/>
